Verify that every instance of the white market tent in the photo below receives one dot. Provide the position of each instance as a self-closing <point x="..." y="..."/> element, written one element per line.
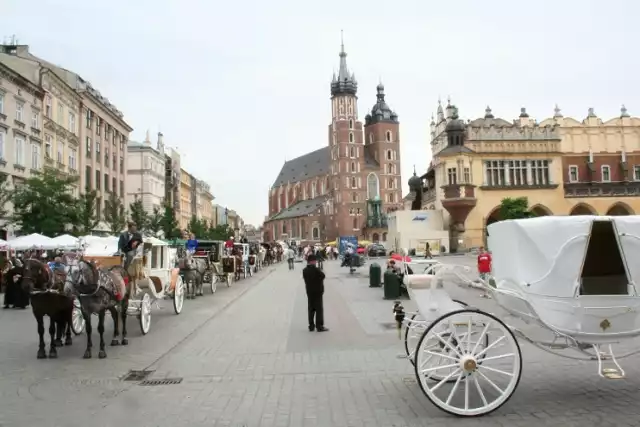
<point x="32" y="241"/>
<point x="67" y="241"/>
<point x="99" y="246"/>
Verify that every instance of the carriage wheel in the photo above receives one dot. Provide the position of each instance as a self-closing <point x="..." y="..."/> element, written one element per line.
<point x="145" y="314"/>
<point x="485" y="377"/>
<point x="415" y="329"/>
<point x="178" y="295"/>
<point x="77" y="319"/>
<point x="214" y="283"/>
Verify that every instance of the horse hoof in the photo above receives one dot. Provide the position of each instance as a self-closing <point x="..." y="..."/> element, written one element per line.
<point x="53" y="355"/>
<point x="58" y="343"/>
<point x="68" y="341"/>
<point x="115" y="342"/>
<point x="125" y="341"/>
<point x="102" y="354"/>
<point x="87" y="354"/>
<point x="42" y="354"/>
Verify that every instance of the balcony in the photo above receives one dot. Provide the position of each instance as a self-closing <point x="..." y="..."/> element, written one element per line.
<point x="602" y="189"/>
<point x="459" y="200"/>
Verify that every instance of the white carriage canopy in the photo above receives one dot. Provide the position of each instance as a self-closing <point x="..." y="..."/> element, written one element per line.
<point x="67" y="241"/>
<point x="32" y="241"/>
<point x="556" y="255"/>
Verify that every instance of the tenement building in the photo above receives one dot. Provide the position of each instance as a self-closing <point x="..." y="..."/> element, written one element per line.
<point x="347" y="187"/>
<point x="562" y="165"/>
<point x="146" y="173"/>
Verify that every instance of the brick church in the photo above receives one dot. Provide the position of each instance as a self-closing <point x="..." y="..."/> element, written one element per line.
<point x="347" y="187"/>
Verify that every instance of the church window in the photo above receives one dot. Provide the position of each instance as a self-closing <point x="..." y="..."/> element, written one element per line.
<point x="354" y="197"/>
<point x="390" y="183"/>
<point x="372" y="186"/>
<point x="389" y="155"/>
<point x="355" y="223"/>
<point x="350" y="136"/>
<point x="370" y="138"/>
<point x="391" y="198"/>
<point x="389" y="168"/>
<point x="350" y="124"/>
<point x="353" y="182"/>
<point x="316" y="233"/>
<point x="388" y="136"/>
<point x="351" y="211"/>
<point x="353" y="167"/>
<point x="352" y="152"/>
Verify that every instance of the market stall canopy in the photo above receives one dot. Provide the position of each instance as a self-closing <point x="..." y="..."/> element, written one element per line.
<point x="99" y="246"/>
<point x="67" y="241"/>
<point x="32" y="241"/>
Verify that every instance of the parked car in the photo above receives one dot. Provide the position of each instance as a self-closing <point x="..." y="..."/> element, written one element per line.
<point x="377" y="250"/>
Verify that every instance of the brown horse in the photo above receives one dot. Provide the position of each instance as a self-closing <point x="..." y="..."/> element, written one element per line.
<point x="48" y="298"/>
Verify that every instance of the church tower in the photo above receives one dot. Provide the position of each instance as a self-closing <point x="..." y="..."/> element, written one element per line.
<point x="346" y="151"/>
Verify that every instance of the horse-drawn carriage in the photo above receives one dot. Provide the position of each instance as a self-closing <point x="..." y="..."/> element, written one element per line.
<point x="212" y="252"/>
<point x="571" y="280"/>
<point x="243" y="264"/>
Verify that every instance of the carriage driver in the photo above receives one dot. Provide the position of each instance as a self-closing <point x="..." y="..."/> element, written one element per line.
<point x="131" y="245"/>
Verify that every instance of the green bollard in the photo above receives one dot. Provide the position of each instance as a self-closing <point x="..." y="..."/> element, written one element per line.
<point x="375" y="273"/>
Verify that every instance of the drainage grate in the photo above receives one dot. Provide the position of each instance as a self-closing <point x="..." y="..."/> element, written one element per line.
<point x="137" y="375"/>
<point x="161" y="381"/>
<point x="389" y="325"/>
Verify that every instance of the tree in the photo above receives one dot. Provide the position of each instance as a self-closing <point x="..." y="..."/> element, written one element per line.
<point x="197" y="227"/>
<point x="169" y="223"/>
<point x="114" y="213"/>
<point x="515" y="208"/>
<point x="87" y="213"/>
<point x="220" y="232"/>
<point x="5" y="196"/>
<point x="138" y="215"/>
<point x="45" y="204"/>
<point x="154" y="221"/>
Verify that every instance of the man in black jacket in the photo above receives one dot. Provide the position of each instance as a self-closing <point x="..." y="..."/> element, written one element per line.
<point x="314" y="283"/>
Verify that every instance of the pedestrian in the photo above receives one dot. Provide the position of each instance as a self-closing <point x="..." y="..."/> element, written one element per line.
<point x="484" y="268"/>
<point x="291" y="254"/>
<point x="427" y="252"/>
<point x="314" y="284"/>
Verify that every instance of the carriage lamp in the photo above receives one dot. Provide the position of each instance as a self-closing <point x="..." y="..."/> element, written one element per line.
<point x="398" y="310"/>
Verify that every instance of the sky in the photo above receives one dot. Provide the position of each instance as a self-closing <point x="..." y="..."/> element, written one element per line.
<point x="240" y="87"/>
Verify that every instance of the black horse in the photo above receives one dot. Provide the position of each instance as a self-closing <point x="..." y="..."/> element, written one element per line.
<point x="14" y="295"/>
<point x="48" y="298"/>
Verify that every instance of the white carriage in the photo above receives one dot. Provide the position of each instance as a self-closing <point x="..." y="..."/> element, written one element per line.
<point x="162" y="281"/>
<point x="566" y="278"/>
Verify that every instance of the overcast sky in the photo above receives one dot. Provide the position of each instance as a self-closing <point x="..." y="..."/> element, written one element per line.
<point x="239" y="87"/>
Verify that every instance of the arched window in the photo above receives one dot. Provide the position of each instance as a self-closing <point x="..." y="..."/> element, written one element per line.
<point x="384" y="237"/>
<point x="390" y="183"/>
<point x="388" y="136"/>
<point x="389" y="155"/>
<point x="350" y="136"/>
<point x="352" y="152"/>
<point x="370" y="138"/>
<point x="284" y="228"/>
<point x="350" y="124"/>
<point x="373" y="185"/>
<point x="316" y="233"/>
<point x="375" y="237"/>
<point x="353" y="182"/>
<point x="355" y="223"/>
<point x="353" y="167"/>
<point x="354" y="197"/>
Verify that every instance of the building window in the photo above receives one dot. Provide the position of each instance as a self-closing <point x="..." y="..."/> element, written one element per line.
<point x="350" y="136"/>
<point x="72" y="122"/>
<point x="60" y="113"/>
<point x="606" y="173"/>
<point x="98" y="125"/>
<point x="89" y="118"/>
<point x="467" y="175"/>
<point x="353" y="182"/>
<point x="315" y="233"/>
<point x="47" y="106"/>
<point x="88" y="147"/>
<point x="355" y="223"/>
<point x="352" y="152"/>
<point x="98" y="148"/>
<point x="391" y="197"/>
<point x="353" y="167"/>
<point x="573" y="173"/>
<point x="370" y="138"/>
<point x="518" y="172"/>
<point x="20" y="111"/>
<point x="1" y="103"/>
<point x="48" y="149"/>
<point x="636" y="173"/>
<point x="495" y="173"/>
<point x="354" y="197"/>
<point x="388" y="135"/>
<point x="87" y="177"/>
<point x="98" y="180"/>
<point x="60" y="153"/>
<point x="350" y="124"/>
<point x="540" y="172"/>
<point x="106" y="182"/>
<point x="35" y="156"/>
<point x="19" y="151"/>
<point x="452" y="176"/>
<point x="389" y="155"/>
<point x="373" y="184"/>
<point x="72" y="159"/>
<point x="35" y="120"/>
<point x="3" y="139"/>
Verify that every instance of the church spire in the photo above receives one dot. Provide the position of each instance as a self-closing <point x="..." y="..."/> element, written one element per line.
<point x="345" y="82"/>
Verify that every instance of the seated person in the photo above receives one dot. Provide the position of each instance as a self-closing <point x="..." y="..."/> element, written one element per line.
<point x="56" y="264"/>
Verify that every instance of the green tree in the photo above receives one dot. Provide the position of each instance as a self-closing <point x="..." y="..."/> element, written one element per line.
<point x="154" y="223"/>
<point x="88" y="218"/>
<point x="515" y="208"/>
<point x="169" y="223"/>
<point x="114" y="214"/>
<point x="138" y="214"/>
<point x="220" y="232"/>
<point x="197" y="227"/>
<point x="45" y="204"/>
<point x="5" y="196"/>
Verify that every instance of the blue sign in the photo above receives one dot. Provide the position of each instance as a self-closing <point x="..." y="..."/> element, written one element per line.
<point x="344" y="240"/>
<point x="420" y="217"/>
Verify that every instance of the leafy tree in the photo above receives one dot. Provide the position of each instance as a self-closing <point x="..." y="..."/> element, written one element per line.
<point x="197" y="227"/>
<point x="169" y="223"/>
<point x="5" y="196"/>
<point x="515" y="208"/>
<point x="45" y="204"/>
<point x="220" y="232"/>
<point x="114" y="214"/>
<point x="87" y="213"/>
<point x="138" y="214"/>
<point x="154" y="224"/>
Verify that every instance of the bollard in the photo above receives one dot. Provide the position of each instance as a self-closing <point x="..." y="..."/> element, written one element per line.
<point x="374" y="275"/>
<point x="391" y="285"/>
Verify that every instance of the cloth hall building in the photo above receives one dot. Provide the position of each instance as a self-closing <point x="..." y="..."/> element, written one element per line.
<point x="347" y="187"/>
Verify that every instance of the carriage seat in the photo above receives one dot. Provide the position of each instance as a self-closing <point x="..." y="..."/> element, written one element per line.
<point x="604" y="285"/>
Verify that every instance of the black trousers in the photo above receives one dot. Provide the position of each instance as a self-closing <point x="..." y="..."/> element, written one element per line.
<point x="316" y="311"/>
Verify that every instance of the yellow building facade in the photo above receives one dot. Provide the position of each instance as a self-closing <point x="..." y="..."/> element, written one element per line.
<point x="562" y="165"/>
<point x="186" y="210"/>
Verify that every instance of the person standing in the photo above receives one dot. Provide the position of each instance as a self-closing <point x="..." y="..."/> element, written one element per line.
<point x="314" y="284"/>
<point x="427" y="251"/>
<point x="126" y="236"/>
<point x="291" y="254"/>
<point x="484" y="267"/>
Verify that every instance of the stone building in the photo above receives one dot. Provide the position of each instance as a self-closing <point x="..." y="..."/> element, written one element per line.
<point x="562" y="165"/>
<point x="347" y="187"/>
<point x="146" y="173"/>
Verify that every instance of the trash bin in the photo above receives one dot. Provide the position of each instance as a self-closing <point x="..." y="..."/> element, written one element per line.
<point x="374" y="275"/>
<point x="391" y="285"/>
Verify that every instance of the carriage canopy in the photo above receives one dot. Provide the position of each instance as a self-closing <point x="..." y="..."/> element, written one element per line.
<point x="555" y="255"/>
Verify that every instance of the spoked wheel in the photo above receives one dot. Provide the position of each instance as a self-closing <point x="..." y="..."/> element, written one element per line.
<point x="178" y="295"/>
<point x="415" y="329"/>
<point x="77" y="319"/>
<point x="214" y="283"/>
<point x="485" y="376"/>
<point x="145" y="314"/>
